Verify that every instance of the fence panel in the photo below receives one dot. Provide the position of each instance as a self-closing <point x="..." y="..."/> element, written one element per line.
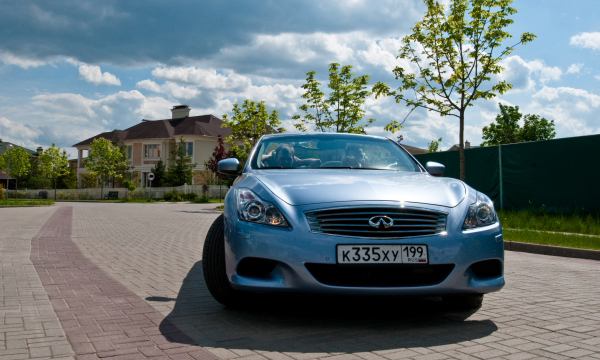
<point x="557" y="175"/>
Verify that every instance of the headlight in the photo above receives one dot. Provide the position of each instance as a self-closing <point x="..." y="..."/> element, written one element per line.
<point x="481" y="213"/>
<point x="254" y="209"/>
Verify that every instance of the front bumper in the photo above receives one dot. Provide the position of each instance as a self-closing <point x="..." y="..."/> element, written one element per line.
<point x="295" y="249"/>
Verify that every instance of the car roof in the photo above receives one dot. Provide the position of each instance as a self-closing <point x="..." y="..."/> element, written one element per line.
<point x="294" y="134"/>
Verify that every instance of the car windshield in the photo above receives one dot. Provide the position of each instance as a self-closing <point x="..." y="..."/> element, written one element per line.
<point x="331" y="152"/>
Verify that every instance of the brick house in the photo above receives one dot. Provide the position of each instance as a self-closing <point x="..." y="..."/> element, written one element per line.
<point x="153" y="140"/>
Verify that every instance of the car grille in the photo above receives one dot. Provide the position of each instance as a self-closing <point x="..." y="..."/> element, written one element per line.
<point x="354" y="221"/>
<point x="379" y="276"/>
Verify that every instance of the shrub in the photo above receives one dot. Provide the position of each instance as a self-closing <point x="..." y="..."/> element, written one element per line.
<point x="173" y="196"/>
<point x="202" y="199"/>
<point x="1" y="192"/>
<point x="191" y="196"/>
<point x="129" y="185"/>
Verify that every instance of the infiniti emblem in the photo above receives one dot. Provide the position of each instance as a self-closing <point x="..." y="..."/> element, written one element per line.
<point x="376" y="221"/>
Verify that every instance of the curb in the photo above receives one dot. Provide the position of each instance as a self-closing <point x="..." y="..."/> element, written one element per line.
<point x="552" y="250"/>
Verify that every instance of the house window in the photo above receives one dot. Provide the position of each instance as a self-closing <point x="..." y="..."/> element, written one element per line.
<point x="190" y="148"/>
<point x="129" y="152"/>
<point x="152" y="151"/>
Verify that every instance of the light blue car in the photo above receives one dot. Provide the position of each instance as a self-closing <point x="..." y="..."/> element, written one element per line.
<point x="350" y="214"/>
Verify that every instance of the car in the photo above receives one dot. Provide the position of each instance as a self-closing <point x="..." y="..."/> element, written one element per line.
<point x="350" y="214"/>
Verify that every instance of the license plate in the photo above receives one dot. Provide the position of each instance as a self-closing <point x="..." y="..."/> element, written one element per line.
<point x="382" y="254"/>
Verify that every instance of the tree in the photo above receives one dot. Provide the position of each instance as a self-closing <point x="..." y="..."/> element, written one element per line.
<point x="104" y="160"/>
<point x="68" y="180"/>
<point x="342" y="110"/>
<point x="15" y="163"/>
<point x="53" y="163"/>
<point x="160" y="174"/>
<point x="507" y="130"/>
<point x="123" y="169"/>
<point x="248" y="123"/>
<point x="35" y="178"/>
<point x="454" y="55"/>
<point x="218" y="154"/>
<point x="182" y="171"/>
<point x="434" y="145"/>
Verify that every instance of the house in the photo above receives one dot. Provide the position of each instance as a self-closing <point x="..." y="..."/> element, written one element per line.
<point x="414" y="150"/>
<point x="4" y="179"/>
<point x="467" y="146"/>
<point x="154" y="140"/>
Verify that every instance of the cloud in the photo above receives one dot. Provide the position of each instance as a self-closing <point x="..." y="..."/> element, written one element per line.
<point x="20" y="134"/>
<point x="204" y="78"/>
<point x="521" y="73"/>
<point x="170" y="88"/>
<point x="574" y="110"/>
<point x="574" y="68"/>
<point x="23" y="62"/>
<point x="123" y="33"/>
<point x="586" y="40"/>
<point x="93" y="74"/>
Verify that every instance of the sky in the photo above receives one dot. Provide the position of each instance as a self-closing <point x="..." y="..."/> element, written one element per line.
<point x="72" y="69"/>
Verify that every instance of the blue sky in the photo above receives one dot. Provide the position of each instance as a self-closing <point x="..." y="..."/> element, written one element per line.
<point x="69" y="70"/>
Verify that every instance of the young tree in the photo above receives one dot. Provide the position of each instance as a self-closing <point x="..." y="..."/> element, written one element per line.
<point x="218" y="154"/>
<point x="434" y="145"/>
<point x="160" y="174"/>
<point x="182" y="171"/>
<point x="35" y="179"/>
<point x="68" y="180"/>
<point x="53" y="163"/>
<point x="248" y="123"/>
<point x="103" y="161"/>
<point x="123" y="169"/>
<point x="507" y="130"/>
<point x="455" y="55"/>
<point x="15" y="163"/>
<point x="342" y="110"/>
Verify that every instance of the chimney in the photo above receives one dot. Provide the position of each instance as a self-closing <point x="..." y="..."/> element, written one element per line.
<point x="40" y="150"/>
<point x="467" y="144"/>
<point x="180" y="111"/>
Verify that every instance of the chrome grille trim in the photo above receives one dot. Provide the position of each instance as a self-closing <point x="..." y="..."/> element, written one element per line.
<point x="354" y="221"/>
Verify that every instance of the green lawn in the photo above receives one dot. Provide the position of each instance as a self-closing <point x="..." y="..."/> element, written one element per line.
<point x="25" y="202"/>
<point x="571" y="223"/>
<point x="552" y="229"/>
<point x="537" y="237"/>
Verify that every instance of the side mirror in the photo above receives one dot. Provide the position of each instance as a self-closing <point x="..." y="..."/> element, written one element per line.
<point x="229" y="166"/>
<point x="435" y="169"/>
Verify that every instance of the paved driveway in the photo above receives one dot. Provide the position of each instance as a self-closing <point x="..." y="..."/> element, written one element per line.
<point x="135" y="289"/>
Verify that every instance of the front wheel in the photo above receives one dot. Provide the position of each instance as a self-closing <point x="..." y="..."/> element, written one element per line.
<point x="466" y="301"/>
<point x="213" y="265"/>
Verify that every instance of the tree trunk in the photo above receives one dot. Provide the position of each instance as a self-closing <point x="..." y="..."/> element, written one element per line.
<point x="101" y="188"/>
<point x="16" y="188"/>
<point x="461" y="145"/>
<point x="55" y="188"/>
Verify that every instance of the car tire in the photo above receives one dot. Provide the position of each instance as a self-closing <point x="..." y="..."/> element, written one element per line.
<point x="467" y="301"/>
<point x="213" y="265"/>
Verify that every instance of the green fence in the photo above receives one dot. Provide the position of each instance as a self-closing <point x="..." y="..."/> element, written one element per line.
<point x="557" y="175"/>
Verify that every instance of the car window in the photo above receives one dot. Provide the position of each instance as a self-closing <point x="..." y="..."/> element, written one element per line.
<point x="331" y="152"/>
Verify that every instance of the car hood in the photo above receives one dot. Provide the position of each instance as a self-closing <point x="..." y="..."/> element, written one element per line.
<point x="308" y="186"/>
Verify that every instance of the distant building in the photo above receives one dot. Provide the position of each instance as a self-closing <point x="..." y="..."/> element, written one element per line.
<point x="154" y="140"/>
<point x="414" y="150"/>
<point x="3" y="147"/>
<point x="467" y="146"/>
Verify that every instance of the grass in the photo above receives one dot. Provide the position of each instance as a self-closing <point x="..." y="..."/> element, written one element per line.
<point x="25" y="202"/>
<point x="571" y="223"/>
<point x="568" y="230"/>
<point x="545" y="238"/>
<point x="221" y="207"/>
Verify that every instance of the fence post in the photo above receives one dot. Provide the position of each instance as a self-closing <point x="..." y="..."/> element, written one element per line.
<point x="500" y="171"/>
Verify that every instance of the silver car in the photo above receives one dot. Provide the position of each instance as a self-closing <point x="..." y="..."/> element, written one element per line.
<point x="350" y="214"/>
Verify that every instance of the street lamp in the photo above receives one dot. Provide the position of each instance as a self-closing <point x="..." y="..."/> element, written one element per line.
<point x="8" y="149"/>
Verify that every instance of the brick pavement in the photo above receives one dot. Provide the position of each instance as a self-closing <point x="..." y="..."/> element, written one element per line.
<point x="101" y="318"/>
<point x="29" y="328"/>
<point x="550" y="307"/>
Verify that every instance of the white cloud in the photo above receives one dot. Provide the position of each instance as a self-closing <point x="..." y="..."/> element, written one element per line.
<point x="587" y="40"/>
<point x="204" y="78"/>
<point x="521" y="73"/>
<point x="574" y="110"/>
<point x="170" y="88"/>
<point x="93" y="74"/>
<point x="20" y="134"/>
<point x="25" y="63"/>
<point x="574" y="68"/>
